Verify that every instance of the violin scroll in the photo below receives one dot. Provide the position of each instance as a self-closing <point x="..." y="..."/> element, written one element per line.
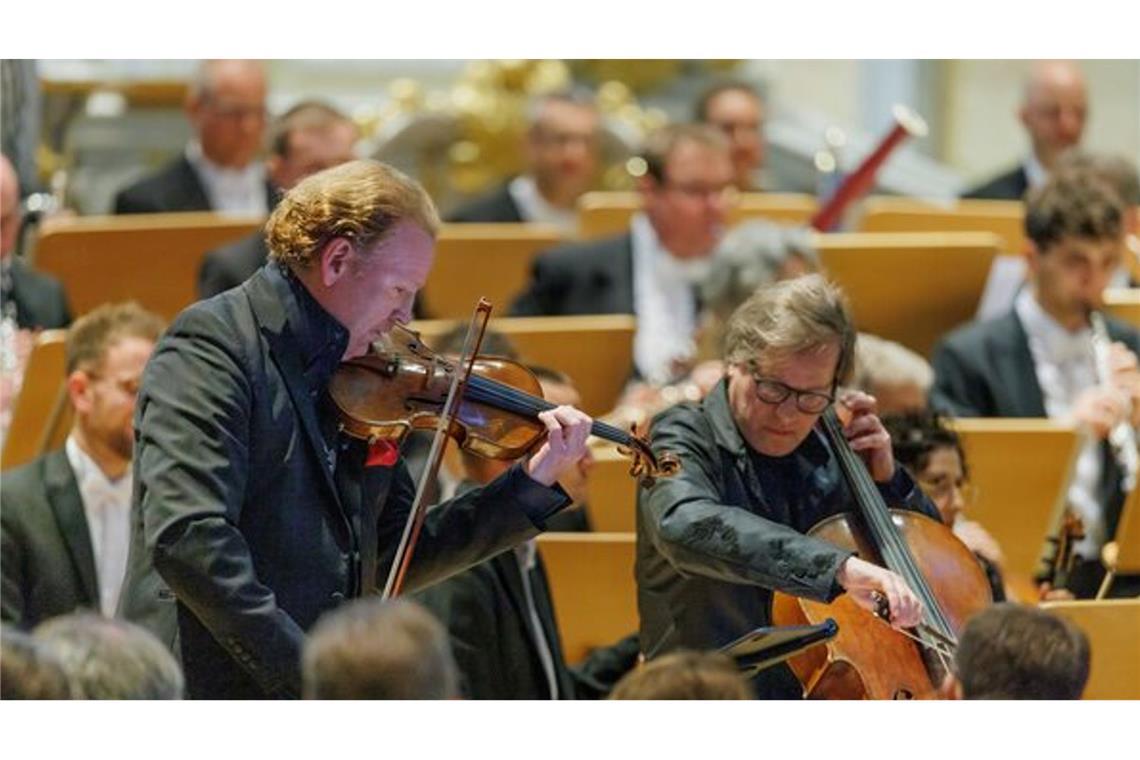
<point x="645" y="465"/>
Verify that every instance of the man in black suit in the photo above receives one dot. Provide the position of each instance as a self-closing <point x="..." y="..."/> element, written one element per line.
<point x="219" y="170"/>
<point x="309" y="137"/>
<point x="1037" y="360"/>
<point x="653" y="270"/>
<point x="31" y="299"/>
<point x="253" y="512"/>
<point x="1053" y="113"/>
<point x="65" y="516"/>
<point x="562" y="154"/>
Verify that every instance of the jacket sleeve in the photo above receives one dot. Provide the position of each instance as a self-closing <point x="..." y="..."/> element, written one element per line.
<point x="11" y="568"/>
<point x="193" y="468"/>
<point x="545" y="292"/>
<point x="691" y="526"/>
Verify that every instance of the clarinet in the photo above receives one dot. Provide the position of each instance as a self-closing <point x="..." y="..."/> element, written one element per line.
<point x="1122" y="438"/>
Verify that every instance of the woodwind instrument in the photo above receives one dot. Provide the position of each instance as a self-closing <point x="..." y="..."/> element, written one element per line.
<point x="860" y="181"/>
<point x="1122" y="438"/>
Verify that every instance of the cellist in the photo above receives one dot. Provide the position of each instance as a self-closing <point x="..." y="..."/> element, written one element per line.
<point x="715" y="541"/>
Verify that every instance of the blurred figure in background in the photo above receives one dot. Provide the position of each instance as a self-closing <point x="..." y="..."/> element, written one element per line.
<point x="896" y="376"/>
<point x="685" y="675"/>
<point x="735" y="108"/>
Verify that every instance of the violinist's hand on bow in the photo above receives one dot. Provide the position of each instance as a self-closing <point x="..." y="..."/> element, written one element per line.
<point x="566" y="432"/>
<point x="866" y="434"/>
<point x="868" y="583"/>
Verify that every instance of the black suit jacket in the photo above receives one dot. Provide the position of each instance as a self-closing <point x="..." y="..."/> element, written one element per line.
<point x="175" y="187"/>
<point x="484" y="610"/>
<point x="231" y="265"/>
<point x="496" y="206"/>
<point x="41" y="302"/>
<point x="582" y="278"/>
<point x="48" y="565"/>
<point x="985" y="369"/>
<point x="243" y="533"/>
<point x="1010" y="186"/>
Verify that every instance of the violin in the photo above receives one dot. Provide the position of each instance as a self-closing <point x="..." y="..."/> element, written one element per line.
<point x="403" y="385"/>
<point x="869" y="659"/>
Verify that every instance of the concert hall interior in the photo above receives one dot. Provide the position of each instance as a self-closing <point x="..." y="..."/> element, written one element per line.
<point x="801" y="379"/>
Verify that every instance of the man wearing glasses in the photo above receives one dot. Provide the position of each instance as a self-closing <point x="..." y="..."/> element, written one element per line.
<point x="716" y="540"/>
<point x="220" y="169"/>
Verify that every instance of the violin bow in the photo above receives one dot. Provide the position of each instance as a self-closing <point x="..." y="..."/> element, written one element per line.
<point x="471" y="343"/>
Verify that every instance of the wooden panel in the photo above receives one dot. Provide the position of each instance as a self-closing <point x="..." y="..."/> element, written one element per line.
<point x="595" y="351"/>
<point x="910" y="287"/>
<point x="488" y="260"/>
<point x="1127" y="540"/>
<point x="1006" y="219"/>
<point x="592" y="587"/>
<point x="149" y="258"/>
<point x="1124" y="304"/>
<point x="41" y="416"/>
<point x="612" y="501"/>
<point x="1021" y="470"/>
<point x="602" y="214"/>
<point x="1113" y="628"/>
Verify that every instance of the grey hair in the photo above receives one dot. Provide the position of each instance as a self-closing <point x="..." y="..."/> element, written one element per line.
<point x="106" y="658"/>
<point x="749" y="256"/>
<point x="879" y="361"/>
<point x="575" y="96"/>
<point x="201" y="84"/>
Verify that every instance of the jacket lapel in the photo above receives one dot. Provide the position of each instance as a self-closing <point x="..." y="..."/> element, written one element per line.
<point x="67" y="505"/>
<point x="189" y="187"/>
<point x="1013" y="364"/>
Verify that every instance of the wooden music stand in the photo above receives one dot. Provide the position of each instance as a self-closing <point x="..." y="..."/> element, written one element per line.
<point x="592" y="587"/>
<point x="1124" y="304"/>
<point x="1113" y="628"/>
<point x="1121" y="556"/>
<point x="612" y="501"/>
<point x="41" y="415"/>
<point x="1006" y="219"/>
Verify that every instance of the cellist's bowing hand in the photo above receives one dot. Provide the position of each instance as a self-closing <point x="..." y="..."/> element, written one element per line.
<point x="868" y="583"/>
<point x="865" y="432"/>
<point x="567" y="429"/>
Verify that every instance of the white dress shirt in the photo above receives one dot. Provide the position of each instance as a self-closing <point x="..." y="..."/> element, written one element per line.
<point x="534" y="208"/>
<point x="230" y="191"/>
<point x="664" y="302"/>
<point x="107" y="506"/>
<point x="1036" y="174"/>
<point x="1064" y="365"/>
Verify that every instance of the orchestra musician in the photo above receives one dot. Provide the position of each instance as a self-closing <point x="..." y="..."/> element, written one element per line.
<point x="717" y="539"/>
<point x="253" y="513"/>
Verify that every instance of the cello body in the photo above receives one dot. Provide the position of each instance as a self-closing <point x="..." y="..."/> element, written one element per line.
<point x="869" y="659"/>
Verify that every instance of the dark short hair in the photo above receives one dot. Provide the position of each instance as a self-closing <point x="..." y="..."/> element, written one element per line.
<point x="549" y="374"/>
<point x="660" y="144"/>
<point x="110" y="658"/>
<point x="1075" y="203"/>
<point x="710" y="93"/>
<point x="1012" y="651"/>
<point x="1117" y="171"/>
<point x="93" y="334"/>
<point x="916" y="435"/>
<point x="306" y="115"/>
<point x="27" y="671"/>
<point x="375" y="649"/>
<point x="684" y="675"/>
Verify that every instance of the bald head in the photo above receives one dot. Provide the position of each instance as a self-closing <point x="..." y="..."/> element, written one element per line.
<point x="9" y="207"/>
<point x="1054" y="108"/>
<point x="226" y="106"/>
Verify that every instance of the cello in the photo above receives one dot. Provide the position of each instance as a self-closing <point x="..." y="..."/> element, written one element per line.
<point x="869" y="659"/>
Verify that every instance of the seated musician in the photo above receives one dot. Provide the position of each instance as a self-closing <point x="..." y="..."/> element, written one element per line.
<point x="1038" y="359"/>
<point x="715" y="541"/>
<point x="932" y="453"/>
<point x="253" y="512"/>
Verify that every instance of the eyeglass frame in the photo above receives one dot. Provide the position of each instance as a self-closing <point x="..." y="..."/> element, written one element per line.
<point x="788" y="390"/>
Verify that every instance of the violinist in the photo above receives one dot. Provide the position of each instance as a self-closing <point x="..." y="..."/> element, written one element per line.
<point x="715" y="541"/>
<point x="253" y="513"/>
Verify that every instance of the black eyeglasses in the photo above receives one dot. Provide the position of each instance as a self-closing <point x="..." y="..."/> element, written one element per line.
<point x="774" y="392"/>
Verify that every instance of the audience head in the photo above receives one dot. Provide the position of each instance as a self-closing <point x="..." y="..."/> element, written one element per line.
<point x="563" y="145"/>
<point x="1074" y="223"/>
<point x="27" y="671"/>
<point x="1054" y="108"/>
<point x="373" y="649"/>
<point x="687" y="187"/>
<point x="107" y="350"/>
<point x="787" y="348"/>
<point x="109" y="658"/>
<point x="226" y="108"/>
<point x="736" y="109"/>
<point x="684" y="675"/>
<point x="897" y="377"/>
<point x="307" y="138"/>
<point x="1010" y="651"/>
<point x="932" y="453"/>
<point x="11" y="214"/>
<point x="360" y="236"/>
<point x="558" y="388"/>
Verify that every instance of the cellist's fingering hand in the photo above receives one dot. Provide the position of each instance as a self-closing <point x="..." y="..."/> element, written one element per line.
<point x="862" y="580"/>
<point x="866" y="434"/>
<point x="567" y="429"/>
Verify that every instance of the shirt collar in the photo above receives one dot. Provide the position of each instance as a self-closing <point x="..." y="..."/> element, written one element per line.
<point x="89" y="475"/>
<point x="1035" y="172"/>
<point x="321" y="339"/>
<point x="666" y="265"/>
<point x="535" y="208"/>
<point x="1058" y="343"/>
